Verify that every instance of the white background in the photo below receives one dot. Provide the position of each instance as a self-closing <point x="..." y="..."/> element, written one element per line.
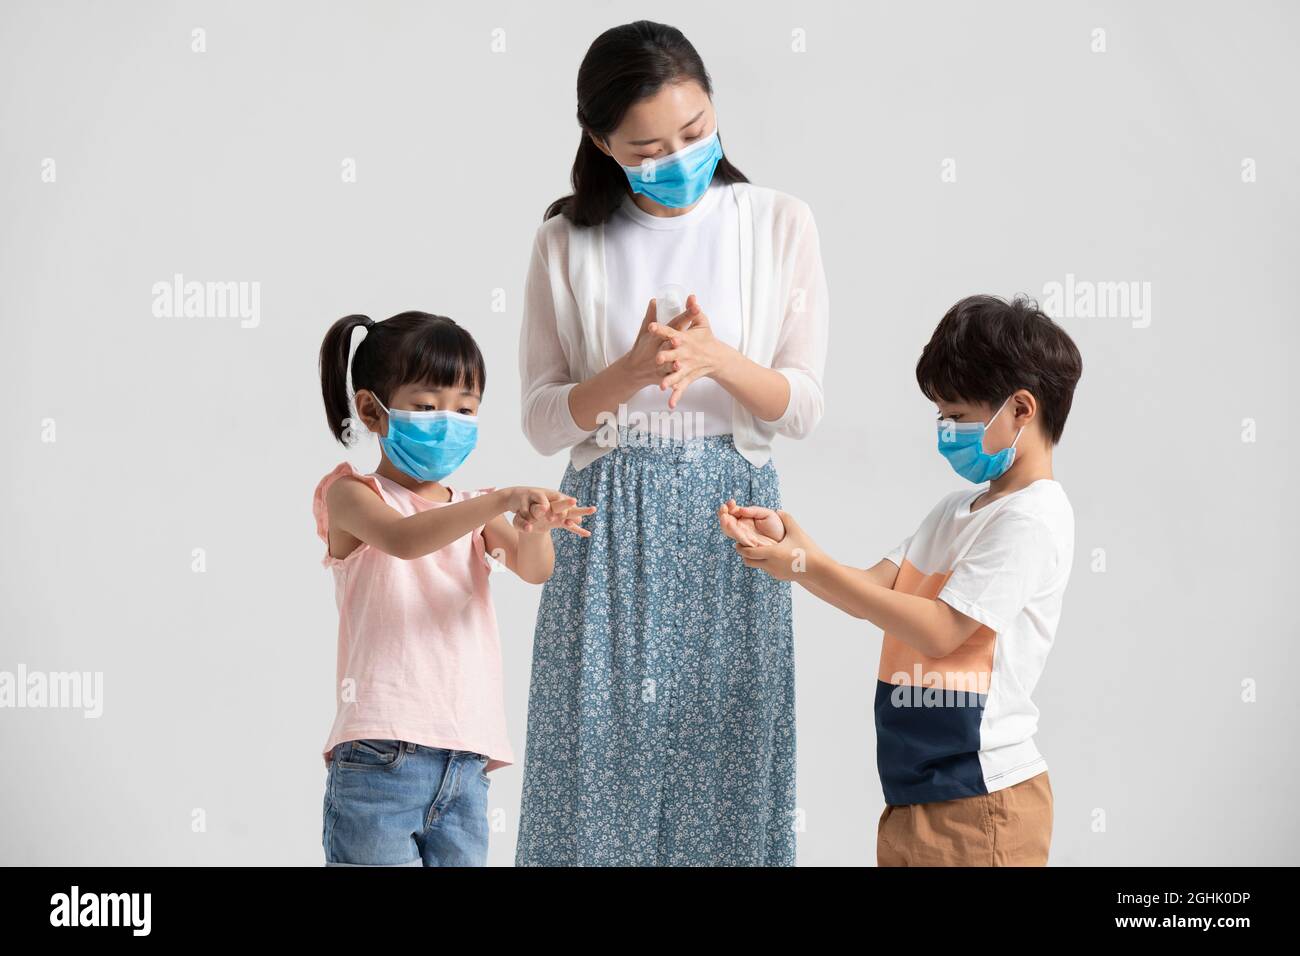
<point x="180" y="433"/>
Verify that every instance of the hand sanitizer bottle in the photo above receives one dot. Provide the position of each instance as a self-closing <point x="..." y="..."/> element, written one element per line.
<point x="670" y="302"/>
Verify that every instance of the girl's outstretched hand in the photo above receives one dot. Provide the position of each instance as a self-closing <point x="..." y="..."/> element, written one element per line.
<point x="750" y="525"/>
<point x="541" y="509"/>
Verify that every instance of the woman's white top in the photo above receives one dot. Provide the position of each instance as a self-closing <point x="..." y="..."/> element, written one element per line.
<point x="568" y="332"/>
<point x="698" y="250"/>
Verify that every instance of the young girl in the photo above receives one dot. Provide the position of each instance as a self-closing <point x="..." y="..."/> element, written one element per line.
<point x="420" y="717"/>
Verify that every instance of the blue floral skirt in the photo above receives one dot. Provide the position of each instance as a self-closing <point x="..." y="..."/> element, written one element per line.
<point x="661" y="707"/>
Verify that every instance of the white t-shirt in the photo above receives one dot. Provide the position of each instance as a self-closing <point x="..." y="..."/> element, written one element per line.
<point x="699" y="251"/>
<point x="785" y="318"/>
<point x="963" y="725"/>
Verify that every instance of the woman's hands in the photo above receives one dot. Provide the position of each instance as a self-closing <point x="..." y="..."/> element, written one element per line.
<point x="691" y="350"/>
<point x="749" y="525"/>
<point x="643" y="364"/>
<point x="606" y="391"/>
<point x="672" y="356"/>
<point x="541" y="509"/>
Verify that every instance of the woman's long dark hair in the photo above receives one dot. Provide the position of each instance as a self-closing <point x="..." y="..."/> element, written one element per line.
<point x="410" y="348"/>
<point x="623" y="66"/>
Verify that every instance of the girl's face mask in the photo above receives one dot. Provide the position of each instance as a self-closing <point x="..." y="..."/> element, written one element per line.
<point x="428" y="446"/>
<point x="962" y="443"/>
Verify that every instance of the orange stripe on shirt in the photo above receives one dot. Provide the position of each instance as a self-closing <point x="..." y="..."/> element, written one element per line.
<point x="967" y="668"/>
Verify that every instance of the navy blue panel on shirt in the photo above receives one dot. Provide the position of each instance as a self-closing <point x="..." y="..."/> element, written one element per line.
<point x="927" y="743"/>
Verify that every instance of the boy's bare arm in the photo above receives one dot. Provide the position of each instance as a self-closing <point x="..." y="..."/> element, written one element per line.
<point x="883" y="573"/>
<point x="927" y="624"/>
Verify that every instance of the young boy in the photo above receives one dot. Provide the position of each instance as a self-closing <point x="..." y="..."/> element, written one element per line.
<point x="969" y="603"/>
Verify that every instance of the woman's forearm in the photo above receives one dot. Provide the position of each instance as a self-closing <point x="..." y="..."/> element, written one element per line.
<point x="765" y="392"/>
<point x="603" y="392"/>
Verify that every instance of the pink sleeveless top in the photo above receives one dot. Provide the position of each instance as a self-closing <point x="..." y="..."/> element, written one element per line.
<point x="419" y="657"/>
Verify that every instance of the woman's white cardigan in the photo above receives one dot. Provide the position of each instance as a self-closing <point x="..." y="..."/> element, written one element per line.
<point x="784" y="315"/>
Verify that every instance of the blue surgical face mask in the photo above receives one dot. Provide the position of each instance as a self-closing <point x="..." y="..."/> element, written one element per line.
<point x="428" y="446"/>
<point x="678" y="179"/>
<point x="962" y="443"/>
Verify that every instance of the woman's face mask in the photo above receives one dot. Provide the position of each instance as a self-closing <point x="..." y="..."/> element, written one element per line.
<point x="428" y="446"/>
<point x="678" y="179"/>
<point x="962" y="443"/>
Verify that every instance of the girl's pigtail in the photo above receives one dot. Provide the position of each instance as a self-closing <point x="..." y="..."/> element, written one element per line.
<point x="334" y="354"/>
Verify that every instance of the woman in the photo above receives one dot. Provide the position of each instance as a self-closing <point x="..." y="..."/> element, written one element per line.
<point x="661" y="708"/>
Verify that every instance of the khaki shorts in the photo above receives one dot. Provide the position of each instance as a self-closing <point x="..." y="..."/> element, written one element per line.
<point x="1009" y="827"/>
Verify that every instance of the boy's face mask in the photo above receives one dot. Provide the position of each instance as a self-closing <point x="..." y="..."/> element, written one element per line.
<point x="428" y="446"/>
<point x="962" y="443"/>
<point x="678" y="179"/>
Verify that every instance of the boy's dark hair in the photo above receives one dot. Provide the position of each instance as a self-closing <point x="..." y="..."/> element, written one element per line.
<point x="410" y="348"/>
<point x="986" y="348"/>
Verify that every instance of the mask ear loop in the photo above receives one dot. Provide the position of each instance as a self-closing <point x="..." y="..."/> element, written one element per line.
<point x="384" y="407"/>
<point x="999" y="412"/>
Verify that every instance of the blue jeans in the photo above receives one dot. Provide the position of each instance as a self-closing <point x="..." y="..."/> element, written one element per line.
<point x="395" y="803"/>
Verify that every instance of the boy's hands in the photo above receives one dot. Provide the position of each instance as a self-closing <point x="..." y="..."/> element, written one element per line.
<point x="750" y="526"/>
<point x="786" y="559"/>
<point x="541" y="509"/>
